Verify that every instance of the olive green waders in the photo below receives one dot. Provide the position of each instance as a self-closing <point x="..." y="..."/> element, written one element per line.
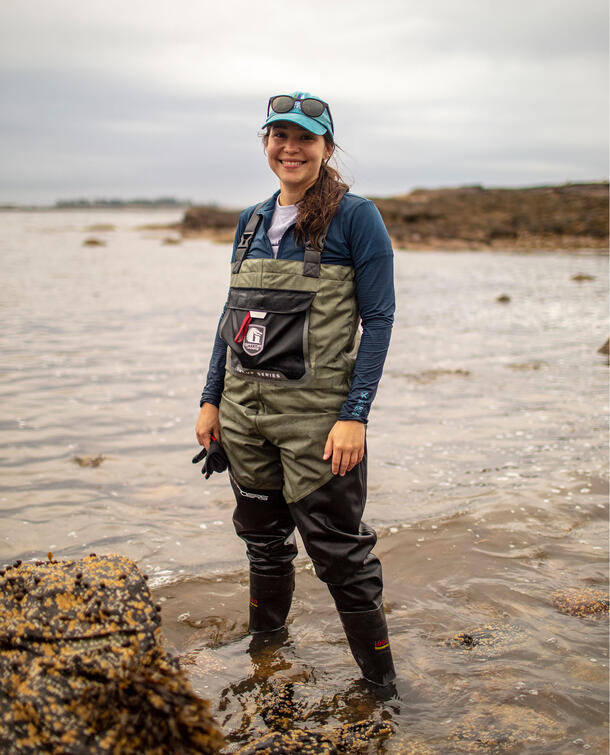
<point x="292" y="332"/>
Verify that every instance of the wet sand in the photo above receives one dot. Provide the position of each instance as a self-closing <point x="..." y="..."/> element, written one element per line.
<point x="488" y="480"/>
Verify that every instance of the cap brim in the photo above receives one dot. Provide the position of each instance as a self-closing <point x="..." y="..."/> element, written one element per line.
<point x="301" y="120"/>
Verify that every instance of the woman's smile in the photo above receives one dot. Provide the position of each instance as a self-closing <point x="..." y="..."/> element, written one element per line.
<point x="295" y="156"/>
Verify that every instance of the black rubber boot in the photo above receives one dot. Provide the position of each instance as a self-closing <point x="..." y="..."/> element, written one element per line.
<point x="367" y="634"/>
<point x="270" y="599"/>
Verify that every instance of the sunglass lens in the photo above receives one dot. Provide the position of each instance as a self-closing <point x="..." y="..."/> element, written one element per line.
<point x="282" y="104"/>
<point x="312" y="108"/>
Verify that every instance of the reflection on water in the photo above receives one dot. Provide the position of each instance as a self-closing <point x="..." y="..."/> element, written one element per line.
<point x="488" y="481"/>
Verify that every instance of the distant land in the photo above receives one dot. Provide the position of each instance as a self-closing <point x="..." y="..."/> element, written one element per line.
<point x="567" y="217"/>
<point x="104" y="204"/>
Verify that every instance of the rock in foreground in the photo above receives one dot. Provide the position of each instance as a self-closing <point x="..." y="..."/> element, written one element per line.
<point x="83" y="669"/>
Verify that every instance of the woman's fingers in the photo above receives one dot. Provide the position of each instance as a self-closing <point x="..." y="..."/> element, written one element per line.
<point x="207" y="425"/>
<point x="345" y="460"/>
<point x="328" y="448"/>
<point x="345" y="443"/>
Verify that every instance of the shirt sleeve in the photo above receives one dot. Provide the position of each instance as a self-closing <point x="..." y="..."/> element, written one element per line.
<point x="215" y="380"/>
<point x="373" y="259"/>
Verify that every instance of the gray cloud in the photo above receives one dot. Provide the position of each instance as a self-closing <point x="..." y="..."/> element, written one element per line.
<point x="103" y="100"/>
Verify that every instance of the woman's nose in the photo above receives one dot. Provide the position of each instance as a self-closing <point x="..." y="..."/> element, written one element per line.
<point x="292" y="145"/>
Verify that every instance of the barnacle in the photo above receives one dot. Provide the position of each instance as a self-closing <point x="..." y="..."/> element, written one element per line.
<point x="86" y="670"/>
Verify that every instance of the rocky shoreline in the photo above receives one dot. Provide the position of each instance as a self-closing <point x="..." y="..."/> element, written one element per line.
<point x="569" y="217"/>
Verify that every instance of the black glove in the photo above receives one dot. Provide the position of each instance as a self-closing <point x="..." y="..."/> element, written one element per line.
<point x="214" y="460"/>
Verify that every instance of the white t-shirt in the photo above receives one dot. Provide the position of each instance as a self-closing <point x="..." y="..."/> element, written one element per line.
<point x="283" y="218"/>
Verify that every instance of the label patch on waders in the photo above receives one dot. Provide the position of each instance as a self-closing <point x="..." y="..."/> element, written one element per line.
<point x="254" y="341"/>
<point x="267" y="330"/>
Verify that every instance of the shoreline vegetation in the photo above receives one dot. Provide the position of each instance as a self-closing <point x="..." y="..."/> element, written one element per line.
<point x="570" y="217"/>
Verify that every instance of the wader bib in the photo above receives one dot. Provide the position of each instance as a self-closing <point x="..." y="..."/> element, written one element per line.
<point x="292" y="334"/>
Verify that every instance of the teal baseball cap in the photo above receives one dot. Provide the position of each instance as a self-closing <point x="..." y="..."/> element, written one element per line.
<point x="304" y="109"/>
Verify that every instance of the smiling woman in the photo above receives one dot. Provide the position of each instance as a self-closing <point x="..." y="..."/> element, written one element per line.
<point x="290" y="383"/>
<point x="295" y="155"/>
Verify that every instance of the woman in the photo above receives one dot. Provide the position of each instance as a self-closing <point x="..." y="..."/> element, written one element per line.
<point x="290" y="383"/>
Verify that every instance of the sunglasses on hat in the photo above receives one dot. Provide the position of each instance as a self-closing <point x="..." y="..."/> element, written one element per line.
<point x="312" y="108"/>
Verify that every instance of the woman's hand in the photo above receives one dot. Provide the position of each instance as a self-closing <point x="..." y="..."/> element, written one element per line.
<point x="345" y="443"/>
<point x="207" y="425"/>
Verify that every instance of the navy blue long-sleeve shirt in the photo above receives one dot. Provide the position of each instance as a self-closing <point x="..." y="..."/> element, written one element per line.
<point x="356" y="237"/>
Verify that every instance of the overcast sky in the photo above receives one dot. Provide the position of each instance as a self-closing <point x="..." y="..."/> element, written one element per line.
<point x="124" y="98"/>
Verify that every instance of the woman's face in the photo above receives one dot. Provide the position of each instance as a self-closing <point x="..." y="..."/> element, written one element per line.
<point x="295" y="156"/>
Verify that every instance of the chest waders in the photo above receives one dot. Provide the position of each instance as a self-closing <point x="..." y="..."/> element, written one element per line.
<point x="292" y="334"/>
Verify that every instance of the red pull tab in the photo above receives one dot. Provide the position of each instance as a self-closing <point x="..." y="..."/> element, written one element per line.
<point x="241" y="333"/>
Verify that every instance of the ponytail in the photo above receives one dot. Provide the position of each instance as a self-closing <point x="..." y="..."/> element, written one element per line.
<point x="320" y="203"/>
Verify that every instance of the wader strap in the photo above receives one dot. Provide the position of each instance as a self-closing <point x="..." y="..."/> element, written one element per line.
<point x="311" y="261"/>
<point x="312" y="258"/>
<point x="246" y="237"/>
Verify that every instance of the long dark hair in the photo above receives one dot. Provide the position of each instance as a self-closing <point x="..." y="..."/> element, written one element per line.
<point x="320" y="201"/>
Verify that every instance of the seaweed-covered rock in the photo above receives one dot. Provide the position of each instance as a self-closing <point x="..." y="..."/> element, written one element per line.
<point x="82" y="666"/>
<point x="285" y="715"/>
<point x="583" y="601"/>
<point x="351" y="738"/>
<point x="296" y="740"/>
<point x="489" y="640"/>
<point x="504" y="728"/>
<point x="358" y="736"/>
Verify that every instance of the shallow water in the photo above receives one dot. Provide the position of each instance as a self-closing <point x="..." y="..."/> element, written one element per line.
<point x="488" y="478"/>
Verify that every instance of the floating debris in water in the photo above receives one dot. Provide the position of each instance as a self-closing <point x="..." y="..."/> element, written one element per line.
<point x="581" y="277"/>
<point x="94" y="242"/>
<point x="503" y="299"/>
<point x="89" y="461"/>
<point x="427" y="376"/>
<point x="97" y="227"/>
<point x="535" y="364"/>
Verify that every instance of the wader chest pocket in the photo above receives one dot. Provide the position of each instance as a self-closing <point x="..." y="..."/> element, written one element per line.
<point x="267" y="332"/>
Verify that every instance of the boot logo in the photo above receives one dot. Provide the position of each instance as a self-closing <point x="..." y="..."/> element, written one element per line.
<point x="254" y="602"/>
<point x="381" y="644"/>
<point x="255" y="339"/>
